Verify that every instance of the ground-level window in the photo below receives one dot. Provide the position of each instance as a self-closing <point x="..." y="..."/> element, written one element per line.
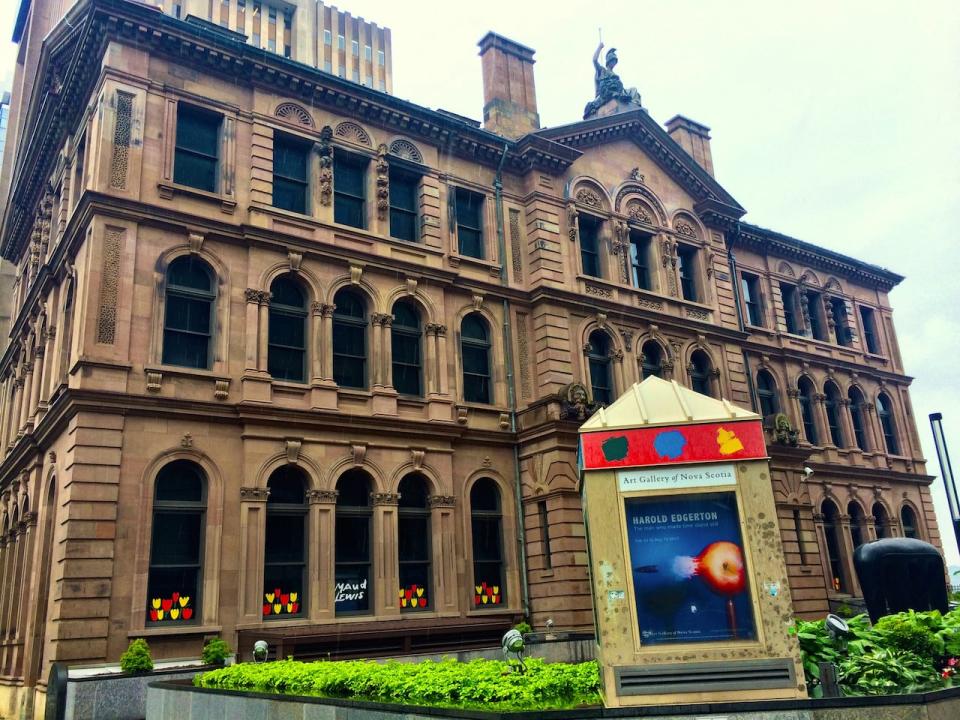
<point x="285" y="550"/>
<point x="352" y="544"/>
<point x="413" y="544"/>
<point x="486" y="517"/>
<point x="831" y="529"/>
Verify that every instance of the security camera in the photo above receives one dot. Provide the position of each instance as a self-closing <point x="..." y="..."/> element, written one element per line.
<point x="807" y="472"/>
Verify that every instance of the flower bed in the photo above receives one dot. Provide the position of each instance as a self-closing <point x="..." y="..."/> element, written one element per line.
<point x="903" y="653"/>
<point x="471" y="685"/>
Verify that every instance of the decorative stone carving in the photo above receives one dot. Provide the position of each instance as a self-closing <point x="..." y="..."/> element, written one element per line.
<point x="462" y="412"/>
<point x="122" y="132"/>
<point x="523" y="355"/>
<point x="638" y="213"/>
<point x="650" y="304"/>
<point x="608" y="86"/>
<point x="186" y="441"/>
<point x="294" y="114"/>
<point x="783" y="432"/>
<point x="685" y="228"/>
<point x="477" y="301"/>
<point x="515" y="243"/>
<point x="154" y="381"/>
<point x="109" y="286"/>
<point x="384" y="498"/>
<point x="504" y="421"/>
<point x="411" y="286"/>
<point x="627" y="335"/>
<point x="383" y="182"/>
<point x="356" y="272"/>
<point x="636" y="175"/>
<point x="416" y="457"/>
<point x="437" y="501"/>
<point x="195" y="241"/>
<point x="221" y="389"/>
<point x="351" y="132"/>
<point x="598" y="291"/>
<point x="292" y="448"/>
<point x="327" y="497"/>
<point x="294" y="259"/>
<point x="572" y="216"/>
<point x="487" y="462"/>
<point x="407" y="150"/>
<point x="326" y="165"/>
<point x="702" y="315"/>
<point x="254" y="494"/>
<point x="588" y="197"/>
<point x="359" y="453"/>
<point x="575" y="403"/>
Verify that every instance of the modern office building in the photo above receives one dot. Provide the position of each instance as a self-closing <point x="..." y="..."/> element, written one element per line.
<point x="291" y="357"/>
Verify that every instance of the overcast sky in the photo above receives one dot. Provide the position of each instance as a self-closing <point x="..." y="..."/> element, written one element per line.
<point x="834" y="122"/>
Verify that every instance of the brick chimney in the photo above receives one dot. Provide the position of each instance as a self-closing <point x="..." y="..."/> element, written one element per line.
<point x="509" y="97"/>
<point x="692" y="137"/>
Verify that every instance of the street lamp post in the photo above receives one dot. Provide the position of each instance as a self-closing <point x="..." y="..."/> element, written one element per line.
<point x="940" y="441"/>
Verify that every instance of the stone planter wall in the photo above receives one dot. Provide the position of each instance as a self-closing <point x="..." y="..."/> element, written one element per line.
<point x="116" y="696"/>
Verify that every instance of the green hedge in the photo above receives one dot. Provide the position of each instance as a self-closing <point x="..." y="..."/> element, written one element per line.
<point x="448" y="683"/>
<point x="902" y="653"/>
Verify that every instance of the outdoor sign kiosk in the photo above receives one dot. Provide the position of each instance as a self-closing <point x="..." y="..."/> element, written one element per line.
<point x="690" y="594"/>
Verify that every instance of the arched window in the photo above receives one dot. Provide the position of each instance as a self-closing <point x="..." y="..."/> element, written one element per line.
<point x="66" y="346"/>
<point x="287" y="343"/>
<point x="857" y="523"/>
<point x="856" y="418"/>
<point x="881" y="521"/>
<point x="188" y="316"/>
<point x="805" y="389"/>
<point x="475" y="353"/>
<point x="651" y="360"/>
<point x="487" y="530"/>
<point x="598" y="358"/>
<point x="407" y="357"/>
<point x="767" y="394"/>
<point x="831" y="404"/>
<point x="176" y="545"/>
<point x="885" y="414"/>
<point x="285" y="551"/>
<point x="349" y="340"/>
<point x="908" y="520"/>
<point x="700" y="372"/>
<point x="353" y="543"/>
<point x="831" y="529"/>
<point x="413" y="544"/>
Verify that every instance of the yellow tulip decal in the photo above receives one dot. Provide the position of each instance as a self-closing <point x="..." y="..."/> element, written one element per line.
<point x="156" y="603"/>
<point x="294" y="596"/>
<point x="175" y="613"/>
<point x="277" y="607"/>
<point x="270" y="597"/>
<point x="183" y="601"/>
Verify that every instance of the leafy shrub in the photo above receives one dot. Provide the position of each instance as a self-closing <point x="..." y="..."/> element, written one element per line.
<point x="913" y="632"/>
<point x="888" y="672"/>
<point x="448" y="683"/>
<point x="136" y="658"/>
<point x="215" y="652"/>
<point x="523" y="627"/>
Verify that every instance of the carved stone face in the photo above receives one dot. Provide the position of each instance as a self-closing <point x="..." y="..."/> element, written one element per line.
<point x="611" y="58"/>
<point x="578" y="395"/>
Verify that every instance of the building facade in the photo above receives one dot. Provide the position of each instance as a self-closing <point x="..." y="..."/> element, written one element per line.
<point x="291" y="356"/>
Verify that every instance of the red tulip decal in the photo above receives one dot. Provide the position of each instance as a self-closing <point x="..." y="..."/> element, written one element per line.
<point x="187" y="613"/>
<point x="175" y="597"/>
<point x="153" y="615"/>
<point x="284" y="598"/>
<point x="266" y="608"/>
<point x="167" y="604"/>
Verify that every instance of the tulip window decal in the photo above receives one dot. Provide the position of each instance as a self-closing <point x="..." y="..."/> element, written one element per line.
<point x="413" y="546"/>
<point x="486" y="594"/>
<point x="278" y="602"/>
<point x="413" y="597"/>
<point x="172" y="609"/>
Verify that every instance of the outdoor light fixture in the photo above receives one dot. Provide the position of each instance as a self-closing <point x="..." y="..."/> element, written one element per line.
<point x="837" y="626"/>
<point x="260" y="648"/>
<point x="513" y="646"/>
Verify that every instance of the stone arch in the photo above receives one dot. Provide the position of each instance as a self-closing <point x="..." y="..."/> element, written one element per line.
<point x="351" y="132"/>
<point x="590" y="194"/>
<point x="687" y="225"/>
<point x="310" y="468"/>
<point x="309" y="281"/>
<point x="368" y="290"/>
<point x="693" y="346"/>
<point x="406" y="150"/>
<point x="808" y="277"/>
<point x="430" y="474"/>
<point x="291" y="112"/>
<point x="418" y="298"/>
<point x="349" y="462"/>
<point x="631" y="192"/>
<point x="784" y="268"/>
<point x="833" y="284"/>
<point x="798" y="378"/>
<point x="505" y="488"/>
<point x="588" y="325"/>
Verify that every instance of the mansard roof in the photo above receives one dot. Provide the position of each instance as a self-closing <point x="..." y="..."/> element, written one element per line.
<point x="713" y="204"/>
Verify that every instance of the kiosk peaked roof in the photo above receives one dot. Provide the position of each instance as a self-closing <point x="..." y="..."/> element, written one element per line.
<point x="663" y="402"/>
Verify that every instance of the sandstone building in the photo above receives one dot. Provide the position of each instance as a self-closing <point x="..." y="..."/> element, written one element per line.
<point x="290" y="356"/>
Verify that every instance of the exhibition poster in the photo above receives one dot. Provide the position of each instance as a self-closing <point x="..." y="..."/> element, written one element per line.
<point x="689" y="568"/>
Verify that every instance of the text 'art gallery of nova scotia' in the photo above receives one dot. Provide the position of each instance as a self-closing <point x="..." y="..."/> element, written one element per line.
<point x="292" y="358"/>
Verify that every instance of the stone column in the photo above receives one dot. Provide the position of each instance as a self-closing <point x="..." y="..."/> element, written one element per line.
<point x="442" y="360"/>
<point x="326" y="314"/>
<point x="253" y="507"/>
<point x="870" y="528"/>
<point x="320" y="558"/>
<point x="386" y="564"/>
<point x="616" y="359"/>
<point x="387" y="368"/>
<point x="263" y="334"/>
<point x="793" y="408"/>
<point x="25" y="397"/>
<point x="444" y="557"/>
<point x="14" y="410"/>
<point x="252" y="327"/>
<point x="28" y="538"/>
<point x="48" y="355"/>
<point x="872" y="428"/>
<point x="316" y="333"/>
<point x="846" y="555"/>
<point x="820" y="414"/>
<point x="846" y="423"/>
<point x="5" y="386"/>
<point x="35" y="385"/>
<point x="374" y="365"/>
<point x="431" y="370"/>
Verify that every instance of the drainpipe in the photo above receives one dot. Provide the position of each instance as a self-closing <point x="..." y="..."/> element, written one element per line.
<point x="732" y="263"/>
<point x="511" y="388"/>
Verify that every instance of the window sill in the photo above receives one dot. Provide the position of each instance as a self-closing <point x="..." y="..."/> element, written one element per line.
<point x="175" y="630"/>
<point x="456" y="259"/>
<point x="180" y="371"/>
<point x="168" y="190"/>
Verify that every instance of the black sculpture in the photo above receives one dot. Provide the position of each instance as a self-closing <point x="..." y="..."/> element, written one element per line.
<point x="608" y="85"/>
<point x="899" y="574"/>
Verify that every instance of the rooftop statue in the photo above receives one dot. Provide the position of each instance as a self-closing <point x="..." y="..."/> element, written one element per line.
<point x="608" y="85"/>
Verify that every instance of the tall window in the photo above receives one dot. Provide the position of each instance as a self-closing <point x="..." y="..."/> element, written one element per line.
<point x="487" y="531"/>
<point x="831" y="529"/>
<point x="287" y="336"/>
<point x="806" y="392"/>
<point x="405" y="342"/>
<point x="196" y="157"/>
<point x="640" y="259"/>
<point x="352" y="544"/>
<point x="767" y="394"/>
<point x="831" y="404"/>
<point x="290" y="173"/>
<point x="590" y="245"/>
<point x="789" y="295"/>
<point x="285" y="551"/>
<point x="598" y="357"/>
<point x="413" y="544"/>
<point x="885" y="415"/>
<point x="544" y="516"/>
<point x="651" y="360"/>
<point x="468" y="207"/>
<point x="188" y="314"/>
<point x="856" y="417"/>
<point x="349" y="190"/>
<point x="881" y="521"/>
<point x="908" y="519"/>
<point x="176" y="545"/>
<point x="475" y="353"/>
<point x="750" y="285"/>
<point x="403" y="205"/>
<point x="814" y="310"/>
<point x="857" y="523"/>
<point x="841" y="324"/>
<point x="700" y="372"/>
<point x="869" y="330"/>
<point x="349" y="340"/>
<point x="687" y="267"/>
